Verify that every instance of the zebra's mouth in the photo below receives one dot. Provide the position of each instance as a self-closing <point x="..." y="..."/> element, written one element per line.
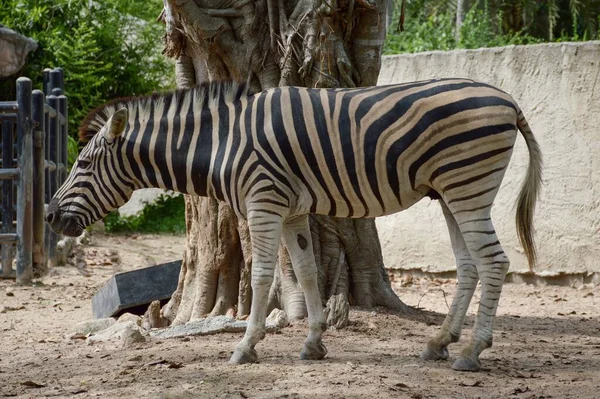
<point x="62" y="222"/>
<point x="67" y="225"/>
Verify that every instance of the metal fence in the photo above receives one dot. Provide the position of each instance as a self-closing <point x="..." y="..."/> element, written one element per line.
<point x="34" y="158"/>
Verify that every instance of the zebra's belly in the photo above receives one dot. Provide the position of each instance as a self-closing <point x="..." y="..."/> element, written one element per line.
<point x="339" y="207"/>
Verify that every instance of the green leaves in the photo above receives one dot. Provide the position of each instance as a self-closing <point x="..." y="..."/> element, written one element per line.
<point x="431" y="24"/>
<point x="108" y="48"/>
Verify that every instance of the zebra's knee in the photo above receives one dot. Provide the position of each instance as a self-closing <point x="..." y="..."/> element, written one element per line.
<point x="261" y="281"/>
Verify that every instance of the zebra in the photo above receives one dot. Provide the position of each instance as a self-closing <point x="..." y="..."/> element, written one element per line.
<point x="279" y="155"/>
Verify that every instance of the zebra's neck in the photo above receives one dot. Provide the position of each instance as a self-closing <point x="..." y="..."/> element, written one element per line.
<point x="171" y="149"/>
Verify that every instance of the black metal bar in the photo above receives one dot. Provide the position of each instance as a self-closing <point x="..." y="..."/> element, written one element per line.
<point x="51" y="166"/>
<point x="51" y="111"/>
<point x="55" y="81"/>
<point x="62" y="78"/>
<point x="64" y="125"/>
<point x="38" y="257"/>
<point x="7" y="249"/>
<point x="24" y="185"/>
<point x="9" y="107"/>
<point x="9" y="173"/>
<point x="8" y="239"/>
<point x="52" y="183"/>
<point x="46" y="75"/>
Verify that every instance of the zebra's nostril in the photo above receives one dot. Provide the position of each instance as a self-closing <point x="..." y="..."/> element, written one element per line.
<point x="50" y="217"/>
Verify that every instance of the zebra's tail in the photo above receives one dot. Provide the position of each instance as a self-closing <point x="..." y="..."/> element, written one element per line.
<point x="529" y="192"/>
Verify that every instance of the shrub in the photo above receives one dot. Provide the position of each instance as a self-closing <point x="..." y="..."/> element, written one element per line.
<point x="107" y="48"/>
<point x="165" y="215"/>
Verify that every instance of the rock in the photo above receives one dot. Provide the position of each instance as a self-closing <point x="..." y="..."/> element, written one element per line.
<point x="277" y="318"/>
<point x="207" y="326"/>
<point x="141" y="198"/>
<point x="93" y="326"/>
<point x="14" y="49"/>
<point x="9" y="292"/>
<point x="153" y="317"/>
<point x="130" y="317"/>
<point x="124" y="331"/>
<point x="131" y="337"/>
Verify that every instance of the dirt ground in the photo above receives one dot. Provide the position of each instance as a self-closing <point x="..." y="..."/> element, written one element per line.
<point x="547" y="345"/>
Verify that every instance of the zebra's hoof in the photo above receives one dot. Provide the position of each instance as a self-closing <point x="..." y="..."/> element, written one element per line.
<point x="244" y="356"/>
<point x="466" y="364"/>
<point x="434" y="353"/>
<point x="313" y="351"/>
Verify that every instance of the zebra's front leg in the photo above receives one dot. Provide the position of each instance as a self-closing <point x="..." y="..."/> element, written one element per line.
<point x="265" y="233"/>
<point x="437" y="348"/>
<point x="297" y="239"/>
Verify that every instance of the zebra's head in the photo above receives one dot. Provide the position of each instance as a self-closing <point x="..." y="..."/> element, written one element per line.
<point x="97" y="183"/>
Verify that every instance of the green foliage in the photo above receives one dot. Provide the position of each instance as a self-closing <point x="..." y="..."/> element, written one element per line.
<point x="434" y="32"/>
<point x="431" y="24"/>
<point x="165" y="215"/>
<point x="72" y="150"/>
<point x="107" y="48"/>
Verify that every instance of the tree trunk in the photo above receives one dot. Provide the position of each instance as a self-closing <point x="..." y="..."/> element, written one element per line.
<point x="460" y="16"/>
<point x="275" y="43"/>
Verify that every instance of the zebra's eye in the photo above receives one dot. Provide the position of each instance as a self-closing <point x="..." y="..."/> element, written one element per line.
<point x="84" y="164"/>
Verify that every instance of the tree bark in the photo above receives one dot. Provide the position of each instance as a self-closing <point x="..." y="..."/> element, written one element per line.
<point x="460" y="16"/>
<point x="272" y="43"/>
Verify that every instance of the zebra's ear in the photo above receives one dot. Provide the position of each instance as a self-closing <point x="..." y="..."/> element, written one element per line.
<point x="116" y="125"/>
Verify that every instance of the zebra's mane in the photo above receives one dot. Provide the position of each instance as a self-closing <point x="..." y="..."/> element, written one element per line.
<point x="212" y="92"/>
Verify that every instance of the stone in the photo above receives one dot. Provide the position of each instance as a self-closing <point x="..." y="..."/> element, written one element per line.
<point x="117" y="332"/>
<point x="143" y="197"/>
<point x="207" y="326"/>
<point x="130" y="317"/>
<point x="153" y="317"/>
<point x="277" y="318"/>
<point x="131" y="337"/>
<point x="93" y="326"/>
<point x="13" y="51"/>
<point x="134" y="290"/>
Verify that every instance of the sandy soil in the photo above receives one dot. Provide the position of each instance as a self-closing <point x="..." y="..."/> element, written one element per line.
<point x="547" y="345"/>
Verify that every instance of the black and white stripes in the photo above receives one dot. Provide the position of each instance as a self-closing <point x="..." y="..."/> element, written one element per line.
<point x="278" y="155"/>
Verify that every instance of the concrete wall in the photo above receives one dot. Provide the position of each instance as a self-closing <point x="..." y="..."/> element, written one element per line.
<point x="558" y="89"/>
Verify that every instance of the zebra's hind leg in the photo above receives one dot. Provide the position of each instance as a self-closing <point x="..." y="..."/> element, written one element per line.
<point x="437" y="348"/>
<point x="265" y="233"/>
<point x="492" y="265"/>
<point x="297" y="239"/>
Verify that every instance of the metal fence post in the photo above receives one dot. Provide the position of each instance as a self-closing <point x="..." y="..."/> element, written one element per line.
<point x="52" y="182"/>
<point x="24" y="183"/>
<point x="39" y="259"/>
<point x="46" y="81"/>
<point x="7" y="251"/>
<point x="56" y="81"/>
<point x="64" y="138"/>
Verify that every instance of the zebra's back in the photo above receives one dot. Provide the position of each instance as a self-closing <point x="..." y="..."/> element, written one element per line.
<point x="374" y="151"/>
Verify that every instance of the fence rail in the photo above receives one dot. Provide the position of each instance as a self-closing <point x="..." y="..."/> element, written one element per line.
<point x="34" y="127"/>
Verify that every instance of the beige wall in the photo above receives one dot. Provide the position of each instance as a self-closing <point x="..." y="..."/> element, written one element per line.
<point x="558" y="89"/>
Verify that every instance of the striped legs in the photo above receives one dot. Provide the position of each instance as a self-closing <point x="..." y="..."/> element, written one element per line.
<point x="472" y="233"/>
<point x="492" y="266"/>
<point x="437" y="348"/>
<point x="297" y="239"/>
<point x="265" y="233"/>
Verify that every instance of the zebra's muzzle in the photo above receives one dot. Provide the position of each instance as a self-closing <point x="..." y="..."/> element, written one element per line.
<point x="61" y="222"/>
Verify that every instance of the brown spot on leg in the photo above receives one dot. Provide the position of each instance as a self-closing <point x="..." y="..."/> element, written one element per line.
<point x="302" y="242"/>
